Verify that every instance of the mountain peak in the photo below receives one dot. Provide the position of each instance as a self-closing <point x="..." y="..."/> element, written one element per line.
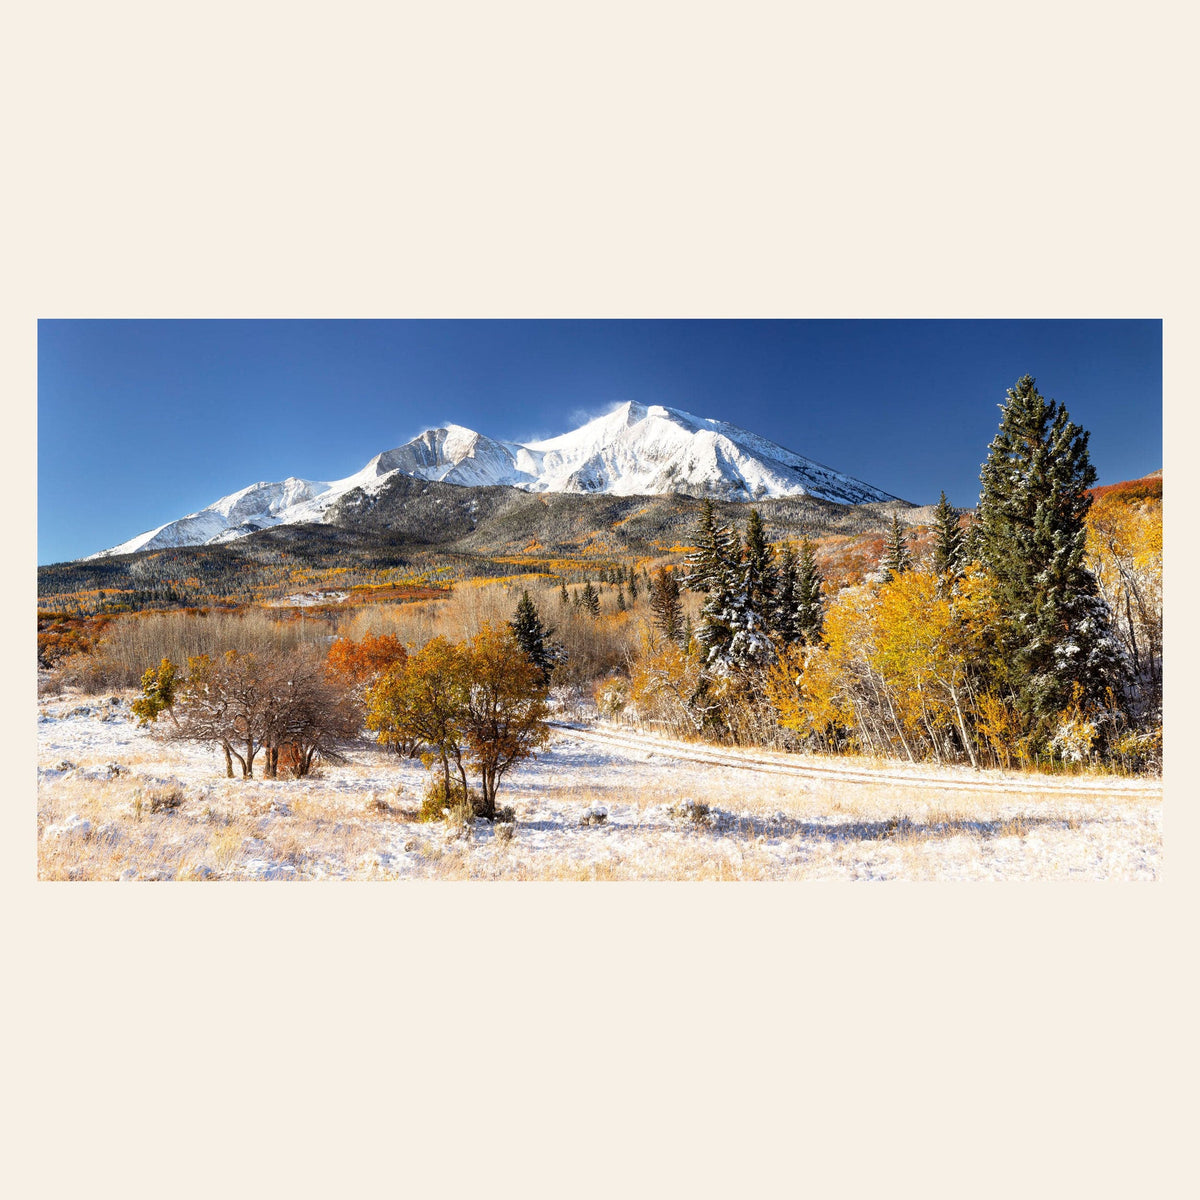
<point x="634" y="449"/>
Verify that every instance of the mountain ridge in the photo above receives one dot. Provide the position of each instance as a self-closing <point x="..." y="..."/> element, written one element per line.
<point x="633" y="450"/>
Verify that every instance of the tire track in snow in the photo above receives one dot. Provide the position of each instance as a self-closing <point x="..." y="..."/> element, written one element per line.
<point x="985" y="781"/>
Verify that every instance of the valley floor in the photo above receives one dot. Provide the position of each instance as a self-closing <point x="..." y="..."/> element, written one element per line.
<point x="102" y="783"/>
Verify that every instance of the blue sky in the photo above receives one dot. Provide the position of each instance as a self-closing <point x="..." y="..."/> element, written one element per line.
<point x="140" y="422"/>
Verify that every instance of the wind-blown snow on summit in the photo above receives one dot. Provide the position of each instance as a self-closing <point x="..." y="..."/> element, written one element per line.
<point x="634" y="450"/>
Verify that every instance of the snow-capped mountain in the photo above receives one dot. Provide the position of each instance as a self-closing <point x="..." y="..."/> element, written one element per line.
<point x="634" y="450"/>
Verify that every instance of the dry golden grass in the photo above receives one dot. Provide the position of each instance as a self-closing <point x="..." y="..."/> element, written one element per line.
<point x="354" y="824"/>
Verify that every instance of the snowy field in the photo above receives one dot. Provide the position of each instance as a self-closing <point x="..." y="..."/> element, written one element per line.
<point x="115" y="802"/>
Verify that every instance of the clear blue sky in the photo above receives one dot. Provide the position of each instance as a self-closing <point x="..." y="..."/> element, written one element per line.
<point x="140" y="422"/>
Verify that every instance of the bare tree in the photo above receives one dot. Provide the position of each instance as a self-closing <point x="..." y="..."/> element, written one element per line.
<point x="247" y="704"/>
<point x="309" y="714"/>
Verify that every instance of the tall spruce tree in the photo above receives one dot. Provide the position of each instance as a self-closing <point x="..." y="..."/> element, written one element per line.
<point x="783" y="611"/>
<point x="708" y="560"/>
<point x="949" y="547"/>
<point x="809" y="609"/>
<point x="896" y="557"/>
<point x="713" y="568"/>
<point x="665" y="604"/>
<point x="751" y="599"/>
<point x="721" y="585"/>
<point x="762" y="579"/>
<point x="590" y="600"/>
<point x="1030" y="534"/>
<point x="533" y="637"/>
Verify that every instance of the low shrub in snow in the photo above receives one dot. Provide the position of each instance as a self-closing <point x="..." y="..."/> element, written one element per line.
<point x="695" y="811"/>
<point x="594" y="815"/>
<point x="612" y="696"/>
<point x="1074" y="740"/>
<point x="1139" y="751"/>
<point x="164" y="799"/>
<point x="456" y="805"/>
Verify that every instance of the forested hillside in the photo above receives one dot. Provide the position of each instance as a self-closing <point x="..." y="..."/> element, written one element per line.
<point x="415" y="532"/>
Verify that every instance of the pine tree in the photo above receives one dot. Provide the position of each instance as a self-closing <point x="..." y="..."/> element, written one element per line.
<point x="809" y="610"/>
<point x="620" y="599"/>
<point x="665" y="604"/>
<point x="751" y="598"/>
<point x="949" y="549"/>
<point x="563" y="595"/>
<point x="533" y="637"/>
<point x="716" y="549"/>
<point x="783" y="611"/>
<point x="896" y="558"/>
<point x="761" y="577"/>
<point x="633" y="587"/>
<point x="590" y="601"/>
<point x="1030" y="534"/>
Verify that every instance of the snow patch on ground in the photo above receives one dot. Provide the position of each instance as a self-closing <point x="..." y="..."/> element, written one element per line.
<point x="595" y="804"/>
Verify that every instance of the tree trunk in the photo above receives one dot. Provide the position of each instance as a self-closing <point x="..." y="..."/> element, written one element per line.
<point x="962" y="728"/>
<point x="488" y="780"/>
<point x="228" y="760"/>
<point x="229" y="751"/>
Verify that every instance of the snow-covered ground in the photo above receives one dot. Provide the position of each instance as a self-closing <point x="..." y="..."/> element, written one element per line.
<point x="116" y="802"/>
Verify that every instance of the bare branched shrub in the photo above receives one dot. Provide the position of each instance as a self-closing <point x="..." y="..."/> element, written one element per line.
<point x="287" y="706"/>
<point x="135" y="640"/>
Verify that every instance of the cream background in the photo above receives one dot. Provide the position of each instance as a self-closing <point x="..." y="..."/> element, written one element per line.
<point x="648" y="159"/>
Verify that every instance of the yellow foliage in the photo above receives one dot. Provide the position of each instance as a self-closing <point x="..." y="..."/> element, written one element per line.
<point x="667" y="679"/>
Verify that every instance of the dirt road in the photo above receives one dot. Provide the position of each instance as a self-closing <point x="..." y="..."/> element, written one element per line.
<point x="862" y="770"/>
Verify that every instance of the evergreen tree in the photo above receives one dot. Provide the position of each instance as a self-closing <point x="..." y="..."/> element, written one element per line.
<point x="809" y="610"/>
<point x="666" y="605"/>
<point x="590" y="601"/>
<point x="751" y="598"/>
<point x="716" y="551"/>
<point x="620" y="599"/>
<point x="563" y="595"/>
<point x="533" y="637"/>
<point x="712" y="569"/>
<point x="783" y="611"/>
<point x="949" y="549"/>
<point x="1030" y="534"/>
<point x="633" y="587"/>
<point x="761" y="577"/>
<point x="733" y="632"/>
<point x="896" y="558"/>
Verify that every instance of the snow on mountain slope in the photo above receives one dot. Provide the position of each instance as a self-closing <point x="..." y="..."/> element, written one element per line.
<point x="253" y="507"/>
<point x="634" y="450"/>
